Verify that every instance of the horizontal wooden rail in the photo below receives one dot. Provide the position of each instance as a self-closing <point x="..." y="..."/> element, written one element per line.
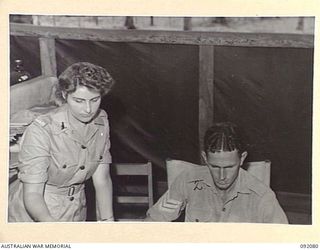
<point x="132" y="168"/>
<point x="132" y="199"/>
<point x="167" y="37"/>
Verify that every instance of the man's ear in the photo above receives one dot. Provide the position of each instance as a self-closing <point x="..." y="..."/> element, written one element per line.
<point x="243" y="157"/>
<point x="204" y="156"/>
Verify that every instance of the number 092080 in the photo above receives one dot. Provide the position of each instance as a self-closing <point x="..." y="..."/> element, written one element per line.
<point x="308" y="245"/>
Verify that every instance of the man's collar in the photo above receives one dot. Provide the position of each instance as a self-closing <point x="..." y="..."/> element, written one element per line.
<point x="242" y="182"/>
<point x="239" y="187"/>
<point x="209" y="180"/>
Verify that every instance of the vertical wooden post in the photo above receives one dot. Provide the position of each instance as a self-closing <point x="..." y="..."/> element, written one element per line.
<point x="150" y="184"/>
<point x="129" y="23"/>
<point x="187" y="23"/>
<point x="48" y="56"/>
<point x="206" y="82"/>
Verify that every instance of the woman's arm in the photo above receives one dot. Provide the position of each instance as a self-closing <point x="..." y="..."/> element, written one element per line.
<point x="103" y="187"/>
<point x="34" y="156"/>
<point x="34" y="202"/>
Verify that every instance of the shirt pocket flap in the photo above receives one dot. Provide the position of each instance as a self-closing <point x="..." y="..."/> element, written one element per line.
<point x="63" y="161"/>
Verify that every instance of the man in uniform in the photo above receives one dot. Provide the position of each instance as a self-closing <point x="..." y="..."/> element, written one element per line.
<point x="220" y="191"/>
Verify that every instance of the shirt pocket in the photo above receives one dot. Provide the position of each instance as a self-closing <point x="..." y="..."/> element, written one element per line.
<point x="99" y="149"/>
<point x="62" y="168"/>
<point x="197" y="214"/>
<point x="95" y="158"/>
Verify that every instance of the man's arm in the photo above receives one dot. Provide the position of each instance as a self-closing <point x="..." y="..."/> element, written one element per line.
<point x="171" y="203"/>
<point x="167" y="208"/>
<point x="271" y="211"/>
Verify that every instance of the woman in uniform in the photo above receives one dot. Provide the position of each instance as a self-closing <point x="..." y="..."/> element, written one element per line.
<point x="64" y="148"/>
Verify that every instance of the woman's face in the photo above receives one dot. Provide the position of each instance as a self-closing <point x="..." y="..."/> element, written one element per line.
<point x="83" y="103"/>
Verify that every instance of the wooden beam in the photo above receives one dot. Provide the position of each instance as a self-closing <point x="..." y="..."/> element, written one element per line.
<point x="167" y="37"/>
<point x="48" y="56"/>
<point x="206" y="83"/>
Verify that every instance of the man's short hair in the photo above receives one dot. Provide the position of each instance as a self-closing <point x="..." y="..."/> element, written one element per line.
<point x="223" y="137"/>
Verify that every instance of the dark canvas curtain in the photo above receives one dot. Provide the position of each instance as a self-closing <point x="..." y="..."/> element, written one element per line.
<point x="153" y="108"/>
<point x="268" y="92"/>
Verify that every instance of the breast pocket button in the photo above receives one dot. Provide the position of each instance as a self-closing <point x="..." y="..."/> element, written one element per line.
<point x="64" y="166"/>
<point x="82" y="167"/>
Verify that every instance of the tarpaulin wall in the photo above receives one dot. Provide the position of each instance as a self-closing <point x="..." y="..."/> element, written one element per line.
<point x="153" y="108"/>
<point x="268" y="92"/>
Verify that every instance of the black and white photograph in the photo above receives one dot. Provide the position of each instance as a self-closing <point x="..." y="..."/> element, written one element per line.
<point x="169" y="125"/>
<point x="169" y="119"/>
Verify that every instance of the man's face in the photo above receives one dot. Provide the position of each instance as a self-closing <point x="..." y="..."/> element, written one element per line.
<point x="84" y="104"/>
<point x="224" y="167"/>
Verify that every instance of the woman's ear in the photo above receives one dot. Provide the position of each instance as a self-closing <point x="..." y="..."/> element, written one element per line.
<point x="64" y="95"/>
<point x="243" y="157"/>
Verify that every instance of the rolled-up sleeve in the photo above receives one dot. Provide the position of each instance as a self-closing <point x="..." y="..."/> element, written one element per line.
<point x="171" y="203"/>
<point x="34" y="156"/>
<point x="107" y="159"/>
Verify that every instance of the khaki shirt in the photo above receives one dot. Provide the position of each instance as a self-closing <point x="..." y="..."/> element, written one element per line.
<point x="194" y="191"/>
<point x="52" y="152"/>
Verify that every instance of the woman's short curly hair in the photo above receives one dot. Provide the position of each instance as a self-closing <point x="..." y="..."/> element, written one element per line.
<point x="83" y="74"/>
<point x="223" y="137"/>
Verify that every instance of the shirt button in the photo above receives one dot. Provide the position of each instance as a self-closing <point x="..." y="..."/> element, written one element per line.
<point x="223" y="209"/>
<point x="64" y="166"/>
<point x="82" y="167"/>
<point x="83" y="147"/>
<point x="71" y="198"/>
<point x="100" y="157"/>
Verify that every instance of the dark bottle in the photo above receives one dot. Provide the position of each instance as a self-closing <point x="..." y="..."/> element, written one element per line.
<point x="18" y="74"/>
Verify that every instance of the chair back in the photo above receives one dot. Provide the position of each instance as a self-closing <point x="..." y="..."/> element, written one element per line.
<point x="175" y="167"/>
<point x="260" y="169"/>
<point x="134" y="169"/>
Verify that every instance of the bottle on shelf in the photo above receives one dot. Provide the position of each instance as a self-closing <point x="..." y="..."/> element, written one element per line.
<point x="19" y="74"/>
